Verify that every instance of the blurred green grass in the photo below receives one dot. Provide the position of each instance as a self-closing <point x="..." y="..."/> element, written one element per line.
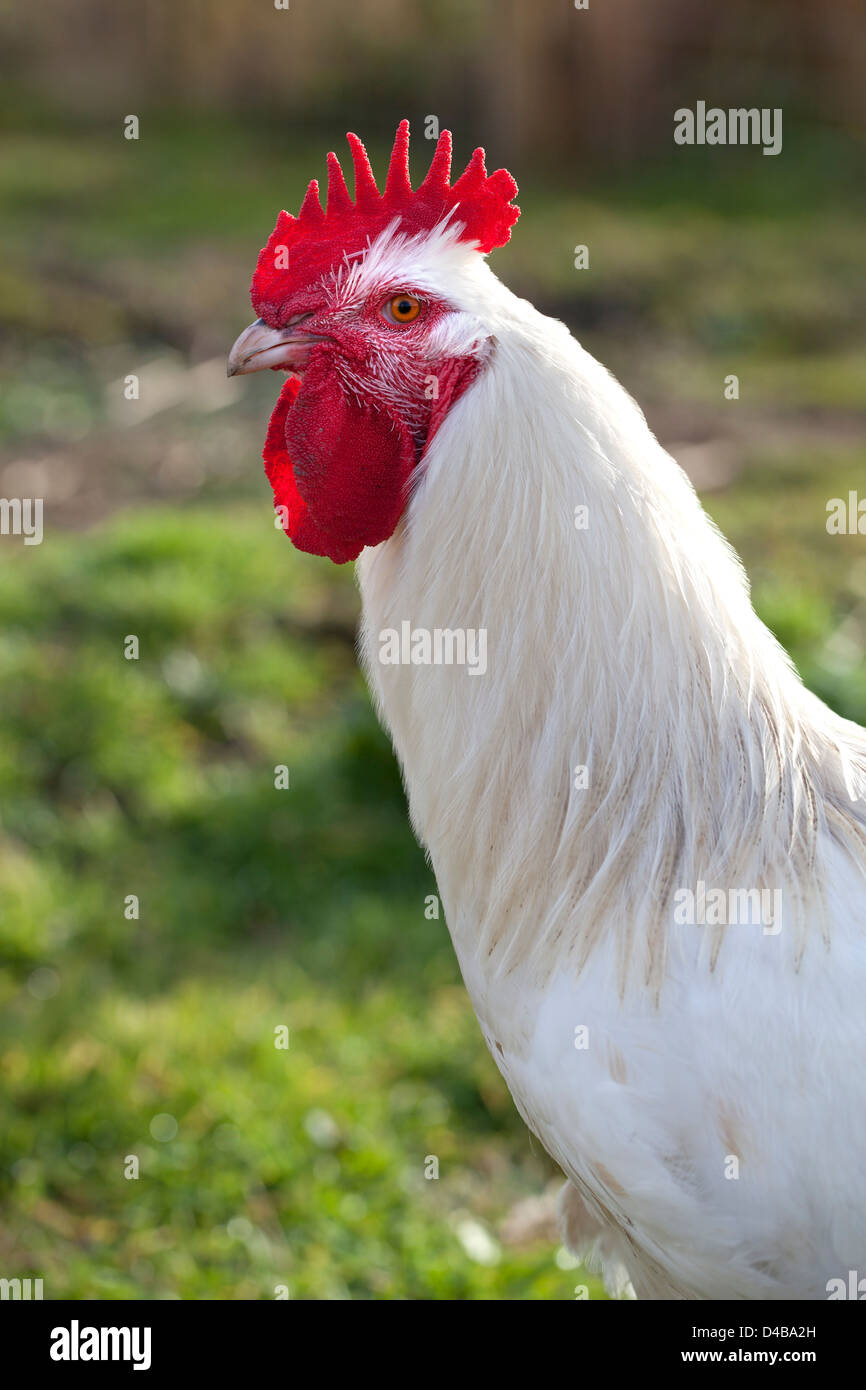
<point x="305" y="907"/>
<point x="259" y="907"/>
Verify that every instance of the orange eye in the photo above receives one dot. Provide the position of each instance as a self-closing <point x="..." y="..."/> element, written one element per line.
<point x="403" y="308"/>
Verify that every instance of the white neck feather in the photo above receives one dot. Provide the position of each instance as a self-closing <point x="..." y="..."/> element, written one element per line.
<point x="630" y="647"/>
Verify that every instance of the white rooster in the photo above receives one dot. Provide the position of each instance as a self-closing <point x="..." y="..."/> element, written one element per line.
<point x="648" y="836"/>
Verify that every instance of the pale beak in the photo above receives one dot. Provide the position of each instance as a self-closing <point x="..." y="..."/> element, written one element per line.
<point x="261" y="346"/>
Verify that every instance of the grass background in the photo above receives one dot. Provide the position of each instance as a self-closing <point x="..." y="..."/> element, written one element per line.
<point x="305" y="907"/>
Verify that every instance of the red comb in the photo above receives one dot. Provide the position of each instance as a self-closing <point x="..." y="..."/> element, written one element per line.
<point x="302" y="247"/>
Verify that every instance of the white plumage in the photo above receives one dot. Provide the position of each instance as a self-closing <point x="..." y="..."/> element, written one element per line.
<point x="711" y="1117"/>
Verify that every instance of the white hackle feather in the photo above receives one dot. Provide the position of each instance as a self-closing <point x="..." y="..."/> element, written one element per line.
<point x="712" y="1119"/>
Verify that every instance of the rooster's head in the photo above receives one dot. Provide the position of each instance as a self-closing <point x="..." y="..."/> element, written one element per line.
<point x="360" y="303"/>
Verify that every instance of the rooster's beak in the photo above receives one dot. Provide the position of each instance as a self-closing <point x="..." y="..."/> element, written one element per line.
<point x="261" y="346"/>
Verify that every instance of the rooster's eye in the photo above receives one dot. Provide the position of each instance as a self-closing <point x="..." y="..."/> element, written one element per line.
<point x="403" y="308"/>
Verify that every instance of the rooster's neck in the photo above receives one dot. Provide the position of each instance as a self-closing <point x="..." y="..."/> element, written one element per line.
<point x="637" y="729"/>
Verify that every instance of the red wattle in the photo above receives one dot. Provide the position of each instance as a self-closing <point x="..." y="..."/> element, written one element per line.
<point x="297" y="523"/>
<point x="338" y="466"/>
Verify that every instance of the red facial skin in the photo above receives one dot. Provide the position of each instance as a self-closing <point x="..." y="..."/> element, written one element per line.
<point x="351" y="427"/>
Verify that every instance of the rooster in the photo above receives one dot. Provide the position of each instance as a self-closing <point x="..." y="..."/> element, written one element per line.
<point x="649" y="838"/>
